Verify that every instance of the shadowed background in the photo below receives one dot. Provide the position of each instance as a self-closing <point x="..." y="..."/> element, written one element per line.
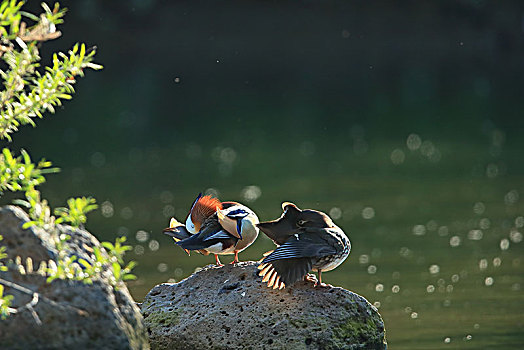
<point x="403" y="122"/>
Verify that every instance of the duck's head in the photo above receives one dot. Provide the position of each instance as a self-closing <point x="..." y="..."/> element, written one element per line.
<point x="177" y="231"/>
<point x="202" y="208"/>
<point x="294" y="218"/>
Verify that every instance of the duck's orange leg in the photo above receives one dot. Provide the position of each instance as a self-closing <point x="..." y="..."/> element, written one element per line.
<point x="235" y="260"/>
<point x="218" y="261"/>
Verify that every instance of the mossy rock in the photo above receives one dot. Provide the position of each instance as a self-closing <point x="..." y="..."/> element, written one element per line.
<point x="230" y="308"/>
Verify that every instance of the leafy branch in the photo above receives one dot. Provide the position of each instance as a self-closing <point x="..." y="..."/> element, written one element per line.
<point x="31" y="90"/>
<point x="75" y="213"/>
<point x="28" y="92"/>
<point x="79" y="269"/>
<point x="20" y="173"/>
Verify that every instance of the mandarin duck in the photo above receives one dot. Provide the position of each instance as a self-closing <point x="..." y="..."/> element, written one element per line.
<point x="215" y="227"/>
<point x="307" y="240"/>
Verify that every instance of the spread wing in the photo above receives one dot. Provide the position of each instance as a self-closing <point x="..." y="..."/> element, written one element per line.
<point x="281" y="273"/>
<point x="291" y="261"/>
<point x="309" y="244"/>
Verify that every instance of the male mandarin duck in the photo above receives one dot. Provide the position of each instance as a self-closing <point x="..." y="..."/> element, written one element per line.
<point x="306" y="240"/>
<point x="215" y="227"/>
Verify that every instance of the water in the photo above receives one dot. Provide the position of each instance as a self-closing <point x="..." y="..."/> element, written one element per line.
<point x="404" y="124"/>
<point x="437" y="243"/>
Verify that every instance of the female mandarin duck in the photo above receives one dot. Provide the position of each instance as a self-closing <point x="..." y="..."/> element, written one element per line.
<point x="215" y="227"/>
<point x="307" y="240"/>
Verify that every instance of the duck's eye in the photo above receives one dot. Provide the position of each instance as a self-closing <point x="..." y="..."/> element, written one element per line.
<point x="301" y="222"/>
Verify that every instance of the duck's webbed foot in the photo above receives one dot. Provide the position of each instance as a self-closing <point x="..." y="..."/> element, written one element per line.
<point x="311" y="278"/>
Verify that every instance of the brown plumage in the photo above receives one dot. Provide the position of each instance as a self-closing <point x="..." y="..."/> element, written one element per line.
<point x="203" y="208"/>
<point x="307" y="240"/>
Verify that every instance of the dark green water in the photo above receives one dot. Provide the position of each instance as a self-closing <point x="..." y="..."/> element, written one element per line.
<point x="314" y="103"/>
<point x="436" y="231"/>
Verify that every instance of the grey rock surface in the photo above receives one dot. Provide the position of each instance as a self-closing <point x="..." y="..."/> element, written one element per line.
<point x="82" y="316"/>
<point x="230" y="308"/>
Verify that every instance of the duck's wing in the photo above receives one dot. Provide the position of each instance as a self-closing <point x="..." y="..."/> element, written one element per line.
<point x="291" y="261"/>
<point x="281" y="273"/>
<point x="210" y="233"/>
<point x="309" y="243"/>
<point x="279" y="230"/>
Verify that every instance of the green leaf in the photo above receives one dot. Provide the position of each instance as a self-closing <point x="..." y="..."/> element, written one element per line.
<point x="128" y="277"/>
<point x="107" y="245"/>
<point x="84" y="263"/>
<point x="116" y="270"/>
<point x="28" y="224"/>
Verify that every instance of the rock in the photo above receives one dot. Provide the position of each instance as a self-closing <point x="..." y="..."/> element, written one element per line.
<point x="230" y="308"/>
<point x="33" y="242"/>
<point x="73" y="314"/>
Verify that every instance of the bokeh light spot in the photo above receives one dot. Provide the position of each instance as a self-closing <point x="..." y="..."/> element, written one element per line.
<point x="492" y="170"/>
<point x="483" y="264"/>
<point x="368" y="213"/>
<point x="434" y="269"/>
<point x="142" y="236"/>
<point x="413" y="142"/>
<point x="107" y="209"/>
<point x="511" y="197"/>
<point x="443" y="231"/>
<point x="139" y="250"/>
<point x="251" y="193"/>
<point x="335" y="213"/>
<point x="479" y="208"/>
<point x="212" y="192"/>
<point x="515" y="236"/>
<point x="397" y="156"/>
<point x="454" y="241"/>
<point x="405" y="252"/>
<point x="419" y="230"/>
<point x="475" y="235"/>
<point x="484" y="223"/>
<point x="126" y="213"/>
<point x="162" y="267"/>
<point x="519" y="222"/>
<point x="154" y="245"/>
<point x="168" y="211"/>
<point x="363" y="259"/>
